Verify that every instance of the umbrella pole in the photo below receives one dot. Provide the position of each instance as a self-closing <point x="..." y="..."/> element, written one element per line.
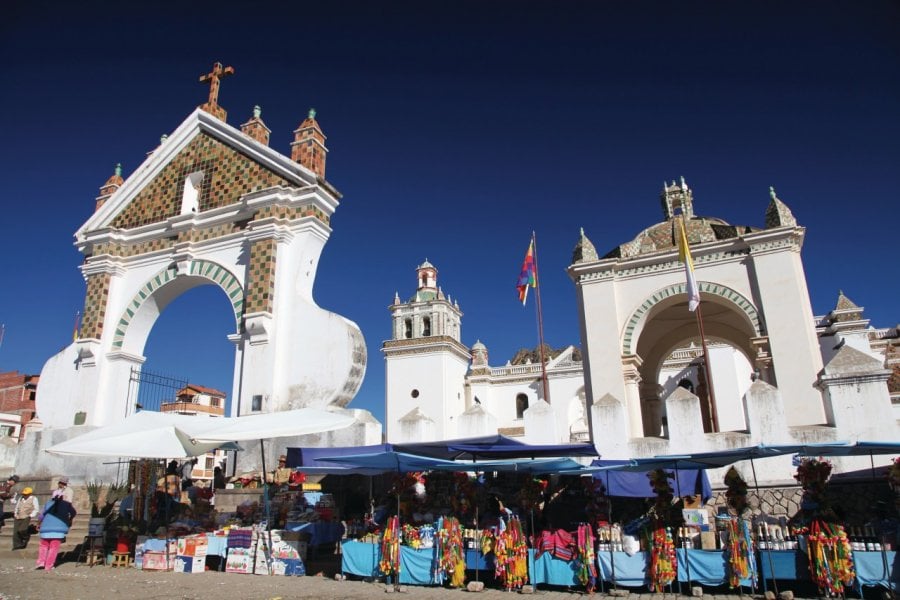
<point x="687" y="562"/>
<point x="612" y="556"/>
<point x="399" y="545"/>
<point x="265" y="479"/>
<point x="768" y="550"/>
<point x="884" y="558"/>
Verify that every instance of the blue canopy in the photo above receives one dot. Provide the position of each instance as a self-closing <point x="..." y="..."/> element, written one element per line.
<point x="309" y="457"/>
<point x="539" y="466"/>
<point x="629" y="479"/>
<point x="493" y="446"/>
<point x="857" y="449"/>
<point x="390" y="461"/>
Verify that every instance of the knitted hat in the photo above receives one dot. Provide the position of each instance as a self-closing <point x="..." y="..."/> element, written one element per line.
<point x="27" y="491"/>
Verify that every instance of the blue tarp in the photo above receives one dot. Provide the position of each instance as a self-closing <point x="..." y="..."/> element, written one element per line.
<point x="309" y="457"/>
<point x="622" y="478"/>
<point x="386" y="462"/>
<point x="493" y="446"/>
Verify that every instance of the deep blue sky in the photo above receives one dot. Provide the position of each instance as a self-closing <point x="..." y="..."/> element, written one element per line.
<point x="455" y="129"/>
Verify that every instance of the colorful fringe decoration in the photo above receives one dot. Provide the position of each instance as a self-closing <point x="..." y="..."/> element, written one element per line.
<point x="739" y="552"/>
<point x="449" y="555"/>
<point x="411" y="536"/>
<point x="663" y="565"/>
<point x="511" y="554"/>
<point x="830" y="557"/>
<point x="585" y="558"/>
<point x="390" y="548"/>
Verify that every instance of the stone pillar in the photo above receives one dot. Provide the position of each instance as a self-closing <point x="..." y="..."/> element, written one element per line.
<point x="764" y="414"/>
<point x="540" y="423"/>
<point x="631" y="374"/>
<point x="857" y="401"/>
<point x="476" y="421"/>
<point x="610" y="423"/>
<point x="685" y="422"/>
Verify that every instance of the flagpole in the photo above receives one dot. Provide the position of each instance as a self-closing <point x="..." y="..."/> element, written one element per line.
<point x="537" y="293"/>
<point x="693" y="291"/>
<point x="707" y="372"/>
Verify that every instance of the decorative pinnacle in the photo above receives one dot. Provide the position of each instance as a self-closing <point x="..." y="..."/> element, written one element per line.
<point x="163" y="138"/>
<point x="772" y="193"/>
<point x="257" y="111"/>
<point x="683" y="184"/>
<point x="312" y="113"/>
<point x="118" y="169"/>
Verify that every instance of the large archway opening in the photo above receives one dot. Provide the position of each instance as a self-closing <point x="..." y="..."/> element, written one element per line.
<point x="189" y="341"/>
<point x="667" y="339"/>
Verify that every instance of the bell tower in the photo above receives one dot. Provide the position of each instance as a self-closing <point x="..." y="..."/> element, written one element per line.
<point x="425" y="363"/>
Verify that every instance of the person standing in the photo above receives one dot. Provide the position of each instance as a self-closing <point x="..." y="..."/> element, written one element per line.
<point x="27" y="509"/>
<point x="56" y="519"/>
<point x="63" y="490"/>
<point x="7" y="492"/>
<point x="187" y="473"/>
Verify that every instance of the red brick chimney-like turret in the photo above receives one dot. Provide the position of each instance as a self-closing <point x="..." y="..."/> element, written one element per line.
<point x="109" y="188"/>
<point x="255" y="128"/>
<point x="308" y="147"/>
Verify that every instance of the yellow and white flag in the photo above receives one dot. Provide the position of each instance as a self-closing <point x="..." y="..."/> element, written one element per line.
<point x="684" y="255"/>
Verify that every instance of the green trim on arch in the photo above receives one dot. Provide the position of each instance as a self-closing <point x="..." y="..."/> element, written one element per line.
<point x="714" y="289"/>
<point x="217" y="274"/>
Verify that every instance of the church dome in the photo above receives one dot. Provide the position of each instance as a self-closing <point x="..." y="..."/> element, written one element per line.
<point x="662" y="237"/>
<point x="478" y="346"/>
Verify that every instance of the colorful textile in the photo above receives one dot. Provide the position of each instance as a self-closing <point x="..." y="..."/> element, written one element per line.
<point x="528" y="275"/>
<point x="684" y="255"/>
<point x="240" y="538"/>
<point x="559" y="543"/>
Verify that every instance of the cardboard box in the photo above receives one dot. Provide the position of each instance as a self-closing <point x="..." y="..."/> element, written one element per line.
<point x="294" y="566"/>
<point x="156" y="561"/>
<point x="708" y="540"/>
<point x="239" y="560"/>
<point x="190" y="564"/>
<point x="193" y="545"/>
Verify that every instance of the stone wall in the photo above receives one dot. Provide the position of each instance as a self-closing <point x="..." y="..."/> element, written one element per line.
<point x="855" y="502"/>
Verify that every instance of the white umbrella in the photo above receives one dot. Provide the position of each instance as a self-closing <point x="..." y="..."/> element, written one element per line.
<point x="145" y="434"/>
<point x="301" y="421"/>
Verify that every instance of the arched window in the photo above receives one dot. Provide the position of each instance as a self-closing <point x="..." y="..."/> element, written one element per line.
<point x="521" y="405"/>
<point x="408" y="328"/>
<point x="426" y="326"/>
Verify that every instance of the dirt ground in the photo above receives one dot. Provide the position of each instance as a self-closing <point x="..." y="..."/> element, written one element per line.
<point x="67" y="581"/>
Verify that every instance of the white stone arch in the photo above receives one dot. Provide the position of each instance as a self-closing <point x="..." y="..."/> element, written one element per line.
<point x="134" y="325"/>
<point x="710" y="292"/>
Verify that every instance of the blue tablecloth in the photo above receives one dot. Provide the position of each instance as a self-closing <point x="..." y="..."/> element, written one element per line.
<point x="877" y="569"/>
<point x="476" y="560"/>
<point x="707" y="567"/>
<point x="551" y="570"/>
<point x="783" y="564"/>
<point x="629" y="570"/>
<point x="320" y="532"/>
<point x="358" y="558"/>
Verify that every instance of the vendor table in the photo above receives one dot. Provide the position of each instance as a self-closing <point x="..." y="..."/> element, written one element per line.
<point x="360" y="558"/>
<point x="877" y="569"/>
<point x="551" y="570"/>
<point x="706" y="567"/>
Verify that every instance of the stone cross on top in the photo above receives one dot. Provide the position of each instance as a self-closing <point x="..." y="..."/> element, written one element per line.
<point x="213" y="77"/>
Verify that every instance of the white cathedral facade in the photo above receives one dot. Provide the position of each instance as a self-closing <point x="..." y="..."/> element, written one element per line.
<point x="778" y="373"/>
<point x="436" y="388"/>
